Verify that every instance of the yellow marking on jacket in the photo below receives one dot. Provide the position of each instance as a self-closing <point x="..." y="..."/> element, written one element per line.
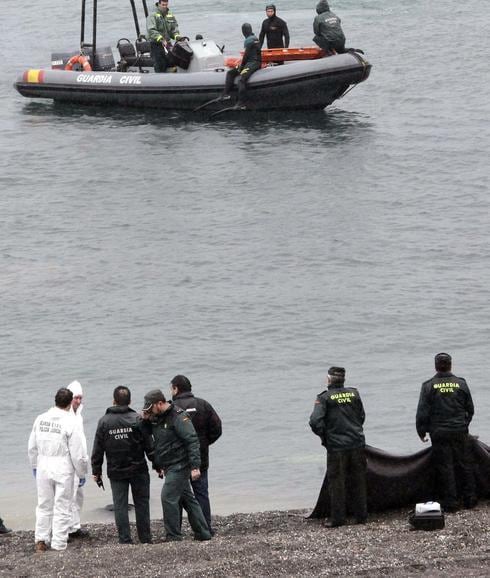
<point x="446" y="387"/>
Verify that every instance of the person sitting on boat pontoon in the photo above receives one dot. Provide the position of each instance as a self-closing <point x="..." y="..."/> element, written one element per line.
<point x="327" y="29"/>
<point x="251" y="62"/>
<point x="162" y="29"/>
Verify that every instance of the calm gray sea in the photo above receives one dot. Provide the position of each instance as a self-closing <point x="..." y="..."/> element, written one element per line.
<point x="248" y="254"/>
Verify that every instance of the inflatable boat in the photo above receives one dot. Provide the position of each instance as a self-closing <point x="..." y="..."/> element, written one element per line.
<point x="307" y="80"/>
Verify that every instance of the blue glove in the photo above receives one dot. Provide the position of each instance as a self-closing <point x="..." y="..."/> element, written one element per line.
<point x="34" y="471"/>
<point x="81" y="483"/>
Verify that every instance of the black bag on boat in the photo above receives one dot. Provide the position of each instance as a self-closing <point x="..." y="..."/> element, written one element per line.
<point x="428" y="516"/>
<point x="181" y="54"/>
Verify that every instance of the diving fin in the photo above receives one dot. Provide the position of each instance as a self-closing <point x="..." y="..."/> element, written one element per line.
<point x="209" y="102"/>
<point x="235" y="108"/>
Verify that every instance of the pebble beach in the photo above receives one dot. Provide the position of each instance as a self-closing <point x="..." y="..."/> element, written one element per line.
<point x="276" y="543"/>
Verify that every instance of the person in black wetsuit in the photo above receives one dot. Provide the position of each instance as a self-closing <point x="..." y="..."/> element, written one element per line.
<point x="338" y="418"/>
<point x="250" y="63"/>
<point x="274" y="29"/>
<point x="445" y="411"/>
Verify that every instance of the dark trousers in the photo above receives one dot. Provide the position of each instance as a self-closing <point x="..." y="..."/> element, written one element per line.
<point x="454" y="472"/>
<point x="176" y="491"/>
<point x="201" y="492"/>
<point x="347" y="469"/>
<point x="140" y="488"/>
<point x="159" y="55"/>
<point x="243" y="76"/>
<point x="322" y="42"/>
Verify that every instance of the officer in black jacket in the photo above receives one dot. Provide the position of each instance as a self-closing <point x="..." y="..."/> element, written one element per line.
<point x="338" y="417"/>
<point x="445" y="411"/>
<point x="208" y="428"/>
<point x="178" y="458"/>
<point x="274" y="29"/>
<point x="120" y="436"/>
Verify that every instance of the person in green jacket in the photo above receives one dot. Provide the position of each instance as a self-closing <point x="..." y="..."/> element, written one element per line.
<point x="177" y="456"/>
<point x="327" y="29"/>
<point x="162" y="30"/>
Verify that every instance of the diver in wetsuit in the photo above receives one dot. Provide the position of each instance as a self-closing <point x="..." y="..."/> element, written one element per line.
<point x="251" y="62"/>
<point x="327" y="29"/>
<point x="274" y="29"/>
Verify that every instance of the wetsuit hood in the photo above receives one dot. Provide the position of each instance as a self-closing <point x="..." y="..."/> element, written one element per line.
<point x="271" y="7"/>
<point x="322" y="6"/>
<point x="247" y="29"/>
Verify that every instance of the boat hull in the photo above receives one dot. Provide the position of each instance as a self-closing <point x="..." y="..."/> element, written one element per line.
<point x="303" y="85"/>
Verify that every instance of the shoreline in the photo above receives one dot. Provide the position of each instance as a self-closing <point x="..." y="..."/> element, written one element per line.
<point x="274" y="543"/>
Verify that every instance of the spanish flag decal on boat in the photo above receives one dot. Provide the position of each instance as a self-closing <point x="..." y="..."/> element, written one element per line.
<point x="34" y="76"/>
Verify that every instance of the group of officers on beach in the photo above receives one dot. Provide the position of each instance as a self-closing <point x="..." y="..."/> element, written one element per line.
<point x="163" y="32"/>
<point x="444" y="412"/>
<point x="175" y="437"/>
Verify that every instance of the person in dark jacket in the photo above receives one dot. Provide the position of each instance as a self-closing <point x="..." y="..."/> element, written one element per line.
<point x="274" y="29"/>
<point x="251" y="62"/>
<point x="121" y="438"/>
<point x="3" y="528"/>
<point x="445" y="411"/>
<point x="338" y="418"/>
<point x="177" y="457"/>
<point x="327" y="29"/>
<point x="208" y="428"/>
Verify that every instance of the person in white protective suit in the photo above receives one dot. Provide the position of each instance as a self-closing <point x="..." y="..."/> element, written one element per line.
<point x="56" y="452"/>
<point x="76" y="530"/>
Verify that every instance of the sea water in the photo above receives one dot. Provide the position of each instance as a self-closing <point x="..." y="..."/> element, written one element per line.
<point x="248" y="254"/>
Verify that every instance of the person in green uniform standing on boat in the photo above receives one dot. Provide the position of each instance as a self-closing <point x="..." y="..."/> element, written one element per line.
<point x="177" y="456"/>
<point x="162" y="29"/>
<point x="327" y="29"/>
<point x="251" y="62"/>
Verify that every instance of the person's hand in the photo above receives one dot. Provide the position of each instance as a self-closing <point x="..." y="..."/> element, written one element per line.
<point x="81" y="482"/>
<point x="424" y="438"/>
<point x="160" y="474"/>
<point x="195" y="474"/>
<point x="34" y="472"/>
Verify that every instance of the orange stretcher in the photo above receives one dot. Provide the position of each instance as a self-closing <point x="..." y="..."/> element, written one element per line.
<point x="281" y="55"/>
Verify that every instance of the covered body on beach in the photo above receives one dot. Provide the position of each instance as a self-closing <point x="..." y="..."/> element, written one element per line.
<point x="395" y="481"/>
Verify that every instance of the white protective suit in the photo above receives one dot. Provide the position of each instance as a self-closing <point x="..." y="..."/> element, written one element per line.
<point x="57" y="451"/>
<point x="76" y="388"/>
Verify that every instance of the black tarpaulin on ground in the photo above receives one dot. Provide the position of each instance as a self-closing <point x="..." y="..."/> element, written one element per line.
<point x="399" y="481"/>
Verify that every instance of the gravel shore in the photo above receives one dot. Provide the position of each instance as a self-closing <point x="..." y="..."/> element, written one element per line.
<point x="270" y="544"/>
